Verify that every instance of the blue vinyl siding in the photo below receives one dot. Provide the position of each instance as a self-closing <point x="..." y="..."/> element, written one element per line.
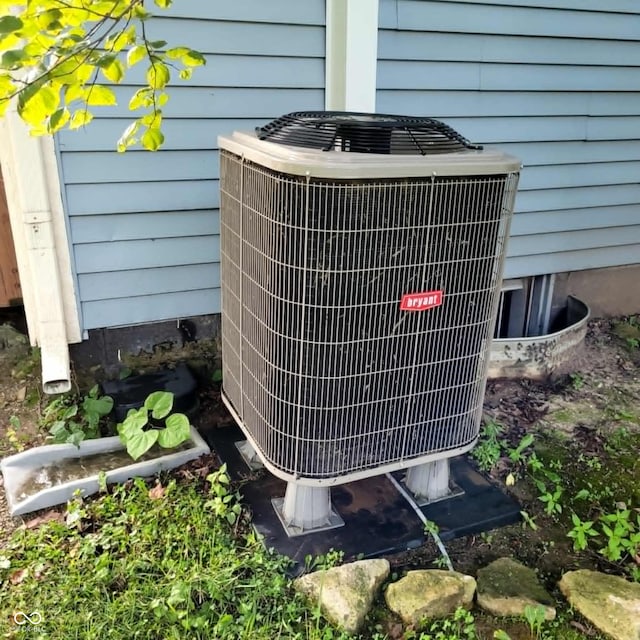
<point x="144" y="226"/>
<point x="556" y="83"/>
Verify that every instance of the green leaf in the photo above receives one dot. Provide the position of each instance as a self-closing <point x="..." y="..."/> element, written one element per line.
<point x="159" y="403"/>
<point x="185" y="74"/>
<point x="158" y="75"/>
<point x="43" y="103"/>
<point x="176" y="432"/>
<point x="141" y="98"/>
<point x="128" y="139"/>
<point x="100" y="96"/>
<point x="58" y="120"/>
<point x="177" y="52"/>
<point x="136" y="419"/>
<point x="10" y="59"/>
<point x="73" y="92"/>
<point x="9" y="24"/>
<point x="152" y="139"/>
<point x="157" y="44"/>
<point x="76" y="438"/>
<point x="100" y="406"/>
<point x="114" y="71"/>
<point x="193" y="58"/>
<point x="139" y="443"/>
<point x="163" y="4"/>
<point x="80" y="118"/>
<point x="135" y="54"/>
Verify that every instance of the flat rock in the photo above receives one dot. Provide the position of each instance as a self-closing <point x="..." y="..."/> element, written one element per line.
<point x="610" y="603"/>
<point x="345" y="593"/>
<point x="506" y="588"/>
<point x="429" y="593"/>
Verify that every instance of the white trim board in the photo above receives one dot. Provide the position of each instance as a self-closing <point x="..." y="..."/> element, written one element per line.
<point x="351" y="55"/>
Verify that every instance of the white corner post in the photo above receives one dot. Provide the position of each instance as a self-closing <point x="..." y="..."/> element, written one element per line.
<point x="30" y="172"/>
<point x="351" y="55"/>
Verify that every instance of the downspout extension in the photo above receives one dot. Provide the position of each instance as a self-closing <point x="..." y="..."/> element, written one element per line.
<point x="31" y="214"/>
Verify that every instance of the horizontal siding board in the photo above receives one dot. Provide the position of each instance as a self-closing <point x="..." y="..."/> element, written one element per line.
<point x="543" y="222"/>
<point x="546" y="129"/>
<point x="465" y="17"/>
<point x="580" y="198"/>
<point x="558" y="153"/>
<point x="139" y="310"/>
<point x="136" y="197"/>
<point x="574" y="240"/>
<point x="241" y="38"/>
<point x="195" y="134"/>
<point x="248" y="71"/>
<point x="138" y="226"/>
<point x="111" y="285"/>
<point x="139" y="167"/>
<point x="275" y="11"/>
<point x="523" y="266"/>
<point x="146" y="254"/>
<point x="417" y="75"/>
<point x="473" y="47"/>
<point x="580" y="175"/>
<point x="616" y="6"/>
<point x="443" y="104"/>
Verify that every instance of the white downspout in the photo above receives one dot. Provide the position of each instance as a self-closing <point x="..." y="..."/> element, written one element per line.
<point x="33" y="197"/>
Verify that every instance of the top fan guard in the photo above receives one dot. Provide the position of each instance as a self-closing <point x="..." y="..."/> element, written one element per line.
<point x="364" y="133"/>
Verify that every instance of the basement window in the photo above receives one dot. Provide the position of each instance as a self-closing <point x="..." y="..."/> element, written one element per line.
<point x="524" y="308"/>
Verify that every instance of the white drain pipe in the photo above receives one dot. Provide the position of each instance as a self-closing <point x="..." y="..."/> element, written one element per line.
<point x="31" y="181"/>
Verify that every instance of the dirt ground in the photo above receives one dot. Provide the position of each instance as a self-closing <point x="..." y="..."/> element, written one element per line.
<point x="581" y="412"/>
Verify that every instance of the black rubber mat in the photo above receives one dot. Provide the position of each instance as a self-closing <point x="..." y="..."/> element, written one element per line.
<point x="378" y="520"/>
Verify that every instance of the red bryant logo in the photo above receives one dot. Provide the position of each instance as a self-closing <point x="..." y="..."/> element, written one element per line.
<point x="421" y="301"/>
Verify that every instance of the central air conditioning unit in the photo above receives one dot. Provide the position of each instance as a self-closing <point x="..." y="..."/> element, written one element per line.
<point x="362" y="258"/>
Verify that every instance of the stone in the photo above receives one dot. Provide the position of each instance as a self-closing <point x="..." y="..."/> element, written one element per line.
<point x="345" y="594"/>
<point x="610" y="603"/>
<point x="429" y="593"/>
<point x="506" y="587"/>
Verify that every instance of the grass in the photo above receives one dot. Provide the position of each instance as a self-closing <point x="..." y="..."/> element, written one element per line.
<point x="151" y="563"/>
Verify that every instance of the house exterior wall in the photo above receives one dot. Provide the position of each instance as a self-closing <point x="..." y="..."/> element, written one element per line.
<point x="144" y="226"/>
<point x="554" y="82"/>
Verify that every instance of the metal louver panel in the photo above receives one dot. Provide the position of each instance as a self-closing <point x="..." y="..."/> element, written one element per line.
<point x="330" y="378"/>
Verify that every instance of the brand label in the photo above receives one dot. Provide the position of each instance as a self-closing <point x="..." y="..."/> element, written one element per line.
<point x="421" y="301"/>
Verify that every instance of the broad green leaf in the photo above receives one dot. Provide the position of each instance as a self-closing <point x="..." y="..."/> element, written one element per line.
<point x="185" y="74"/>
<point x="100" y="96"/>
<point x="128" y="139"/>
<point x="121" y="40"/>
<point x="113" y="71"/>
<point x="163" y="4"/>
<point x="76" y="438"/>
<point x="158" y="75"/>
<point x="161" y="99"/>
<point x="80" y="118"/>
<point x="50" y="20"/>
<point x="157" y="44"/>
<point x="141" y="98"/>
<point x="152" y="120"/>
<point x="159" y="403"/>
<point x="135" y="54"/>
<point x="10" y="59"/>
<point x="135" y="421"/>
<point x="40" y="106"/>
<point x="9" y="24"/>
<point x="152" y="139"/>
<point x="139" y="443"/>
<point x="177" y="52"/>
<point x="176" y="432"/>
<point x="58" y="119"/>
<point x="73" y="92"/>
<point x="101" y="406"/>
<point x="193" y="58"/>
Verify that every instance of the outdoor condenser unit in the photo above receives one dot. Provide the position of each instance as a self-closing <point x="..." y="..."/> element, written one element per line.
<point x="362" y="258"/>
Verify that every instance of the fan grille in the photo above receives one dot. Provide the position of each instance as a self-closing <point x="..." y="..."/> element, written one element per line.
<point x="364" y="133"/>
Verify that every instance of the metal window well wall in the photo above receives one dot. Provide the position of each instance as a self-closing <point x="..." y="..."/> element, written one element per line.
<point x="359" y="294"/>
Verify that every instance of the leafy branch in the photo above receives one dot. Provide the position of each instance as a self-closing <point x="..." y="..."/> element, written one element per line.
<point x="54" y="52"/>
